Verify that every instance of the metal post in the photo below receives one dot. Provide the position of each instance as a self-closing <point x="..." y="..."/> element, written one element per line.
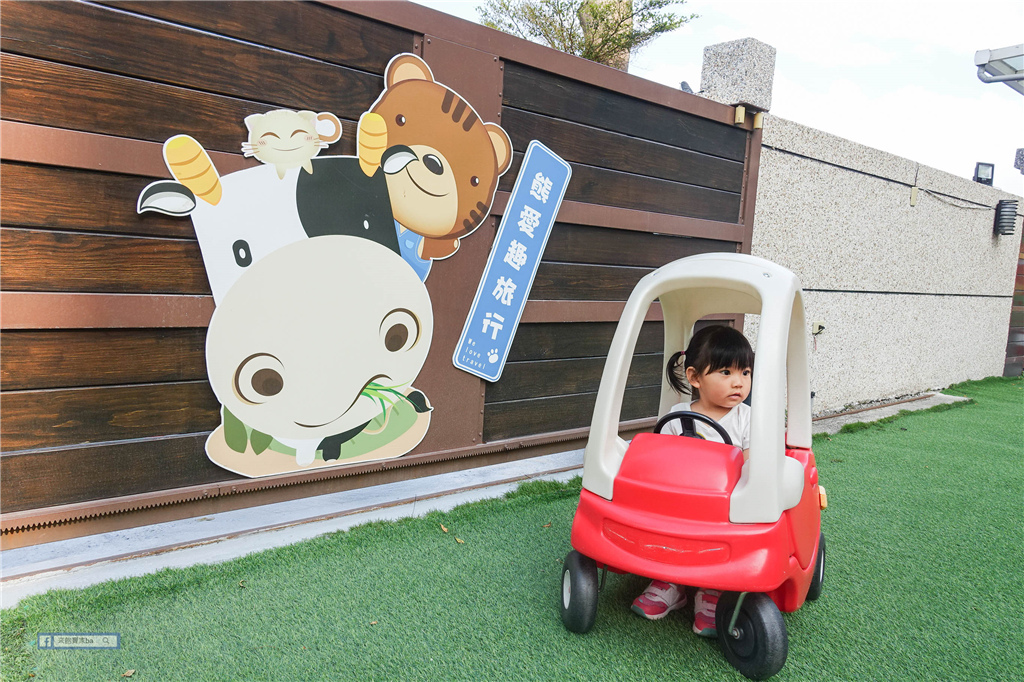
<point x="735" y="614"/>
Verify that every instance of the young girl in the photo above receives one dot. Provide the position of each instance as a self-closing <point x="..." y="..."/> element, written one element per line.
<point x="717" y="366"/>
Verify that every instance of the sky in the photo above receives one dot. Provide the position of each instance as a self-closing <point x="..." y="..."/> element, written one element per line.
<point x="896" y="75"/>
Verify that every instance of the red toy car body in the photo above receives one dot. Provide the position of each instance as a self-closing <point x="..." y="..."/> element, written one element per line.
<point x="690" y="511"/>
<point x="643" y="530"/>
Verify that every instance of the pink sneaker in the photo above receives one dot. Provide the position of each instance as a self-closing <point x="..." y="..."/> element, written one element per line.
<point x="658" y="600"/>
<point x="705" y="602"/>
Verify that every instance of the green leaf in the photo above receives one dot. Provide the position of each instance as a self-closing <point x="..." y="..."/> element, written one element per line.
<point x="260" y="441"/>
<point x="234" y="432"/>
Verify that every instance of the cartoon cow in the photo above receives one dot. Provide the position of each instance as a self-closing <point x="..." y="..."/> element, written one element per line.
<point x="312" y="353"/>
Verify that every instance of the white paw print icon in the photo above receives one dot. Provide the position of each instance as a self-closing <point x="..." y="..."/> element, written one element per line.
<point x="492" y="355"/>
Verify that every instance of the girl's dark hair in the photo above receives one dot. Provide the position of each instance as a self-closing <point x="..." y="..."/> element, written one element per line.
<point x="711" y="349"/>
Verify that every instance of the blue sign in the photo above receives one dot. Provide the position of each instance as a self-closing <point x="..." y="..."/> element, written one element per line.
<point x="515" y="257"/>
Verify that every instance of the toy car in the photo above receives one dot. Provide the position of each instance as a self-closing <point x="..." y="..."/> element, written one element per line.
<point x="690" y="511"/>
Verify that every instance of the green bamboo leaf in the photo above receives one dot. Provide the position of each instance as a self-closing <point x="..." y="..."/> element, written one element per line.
<point x="260" y="441"/>
<point x="234" y="432"/>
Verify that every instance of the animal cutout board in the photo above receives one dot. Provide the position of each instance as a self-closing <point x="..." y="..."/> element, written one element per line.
<point x="317" y="265"/>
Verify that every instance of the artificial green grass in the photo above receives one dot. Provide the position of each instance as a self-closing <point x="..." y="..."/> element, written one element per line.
<point x="922" y="583"/>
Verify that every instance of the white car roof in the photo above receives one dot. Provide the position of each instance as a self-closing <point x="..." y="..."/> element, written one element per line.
<point x="692" y="288"/>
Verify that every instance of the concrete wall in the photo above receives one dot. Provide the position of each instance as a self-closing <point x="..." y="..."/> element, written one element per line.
<point x="912" y="297"/>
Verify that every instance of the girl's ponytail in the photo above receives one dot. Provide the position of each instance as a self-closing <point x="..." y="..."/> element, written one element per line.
<point x="675" y="371"/>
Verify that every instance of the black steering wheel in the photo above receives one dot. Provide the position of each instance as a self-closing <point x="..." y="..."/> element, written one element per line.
<point x="686" y="418"/>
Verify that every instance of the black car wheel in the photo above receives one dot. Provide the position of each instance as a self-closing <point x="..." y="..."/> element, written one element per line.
<point x="814" y="591"/>
<point x="579" y="592"/>
<point x="757" y="645"/>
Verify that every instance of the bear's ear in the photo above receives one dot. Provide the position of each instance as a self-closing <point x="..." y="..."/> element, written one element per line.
<point x="502" y="146"/>
<point x="405" y="67"/>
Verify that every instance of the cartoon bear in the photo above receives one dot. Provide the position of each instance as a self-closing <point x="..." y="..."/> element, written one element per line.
<point x="424" y="156"/>
<point x="442" y="162"/>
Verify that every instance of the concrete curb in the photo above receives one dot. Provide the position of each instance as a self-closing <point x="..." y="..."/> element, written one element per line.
<point x="834" y="424"/>
<point x="80" y="562"/>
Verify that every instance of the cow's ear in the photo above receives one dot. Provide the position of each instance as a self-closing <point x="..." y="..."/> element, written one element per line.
<point x="405" y="67"/>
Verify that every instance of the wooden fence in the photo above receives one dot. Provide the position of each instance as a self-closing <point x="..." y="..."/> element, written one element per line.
<point x="105" y="400"/>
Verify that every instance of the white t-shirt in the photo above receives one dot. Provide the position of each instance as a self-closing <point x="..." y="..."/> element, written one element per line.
<point x="736" y="423"/>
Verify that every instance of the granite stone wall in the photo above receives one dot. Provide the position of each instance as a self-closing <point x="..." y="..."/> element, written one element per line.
<point x="913" y="288"/>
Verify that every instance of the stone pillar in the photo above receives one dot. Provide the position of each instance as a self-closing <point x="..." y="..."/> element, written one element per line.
<point x="739" y="72"/>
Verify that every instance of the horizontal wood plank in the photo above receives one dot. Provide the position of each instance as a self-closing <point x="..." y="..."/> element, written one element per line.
<point x="33" y="480"/>
<point x="544" y="415"/>
<point x="48" y="94"/>
<point x="76" y="149"/>
<point x="62" y="417"/>
<point x="32" y="310"/>
<point x="100" y="357"/>
<point x="80" y="200"/>
<point x="560" y="97"/>
<point x="197" y="60"/>
<point x="557" y="340"/>
<point x="571" y="282"/>
<point x="523" y="380"/>
<point x="430" y="22"/>
<point x="603" y="246"/>
<point x="575" y="212"/>
<point x="588" y="145"/>
<point x="300" y="27"/>
<point x="34" y="260"/>
<point x="605" y="187"/>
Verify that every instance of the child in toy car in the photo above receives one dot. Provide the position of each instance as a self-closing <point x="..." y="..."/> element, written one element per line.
<point x="715" y="369"/>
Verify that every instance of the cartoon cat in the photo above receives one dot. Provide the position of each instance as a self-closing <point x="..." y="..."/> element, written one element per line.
<point x="290" y="139"/>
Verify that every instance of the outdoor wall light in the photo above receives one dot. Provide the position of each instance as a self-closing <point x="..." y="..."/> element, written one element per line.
<point x="983" y="172"/>
<point x="1006" y="216"/>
